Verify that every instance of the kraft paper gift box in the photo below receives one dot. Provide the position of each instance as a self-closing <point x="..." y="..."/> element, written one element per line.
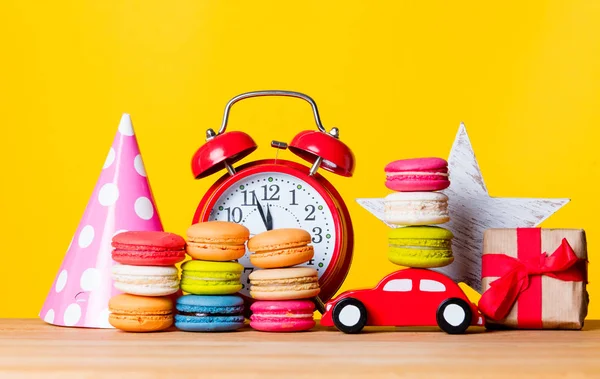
<point x="534" y="278"/>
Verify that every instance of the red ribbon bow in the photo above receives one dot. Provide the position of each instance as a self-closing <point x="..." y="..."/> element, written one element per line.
<point x="516" y="275"/>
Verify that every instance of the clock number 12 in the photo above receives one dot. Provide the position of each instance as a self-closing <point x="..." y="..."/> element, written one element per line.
<point x="274" y="188"/>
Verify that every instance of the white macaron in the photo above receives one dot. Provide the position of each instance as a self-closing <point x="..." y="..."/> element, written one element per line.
<point x="416" y="208"/>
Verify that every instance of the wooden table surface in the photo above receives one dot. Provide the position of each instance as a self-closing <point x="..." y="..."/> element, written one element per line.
<point x="29" y="348"/>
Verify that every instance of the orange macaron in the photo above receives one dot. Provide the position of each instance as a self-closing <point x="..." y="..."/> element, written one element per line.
<point x="219" y="241"/>
<point x="280" y="248"/>
<point x="132" y="313"/>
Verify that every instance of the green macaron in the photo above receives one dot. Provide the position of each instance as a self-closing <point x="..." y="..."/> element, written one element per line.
<point x="420" y="246"/>
<point x="211" y="278"/>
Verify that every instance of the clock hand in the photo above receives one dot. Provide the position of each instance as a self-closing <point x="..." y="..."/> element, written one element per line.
<point x="260" y="211"/>
<point x="269" y="223"/>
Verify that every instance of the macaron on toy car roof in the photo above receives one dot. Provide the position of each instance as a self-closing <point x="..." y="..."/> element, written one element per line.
<point x="420" y="246"/>
<point x="416" y="208"/>
<point x="420" y="174"/>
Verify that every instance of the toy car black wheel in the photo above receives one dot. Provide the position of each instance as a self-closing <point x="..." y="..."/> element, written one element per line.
<point x="454" y="316"/>
<point x="349" y="316"/>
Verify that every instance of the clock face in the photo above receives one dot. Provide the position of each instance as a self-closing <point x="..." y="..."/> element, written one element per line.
<point x="292" y="203"/>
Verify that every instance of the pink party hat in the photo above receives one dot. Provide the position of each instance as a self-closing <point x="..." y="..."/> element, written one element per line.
<point x="121" y="201"/>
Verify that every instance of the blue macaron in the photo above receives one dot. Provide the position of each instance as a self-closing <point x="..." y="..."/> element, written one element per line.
<point x="196" y="313"/>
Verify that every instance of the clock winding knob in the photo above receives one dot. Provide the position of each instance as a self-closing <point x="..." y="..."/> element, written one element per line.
<point x="279" y="145"/>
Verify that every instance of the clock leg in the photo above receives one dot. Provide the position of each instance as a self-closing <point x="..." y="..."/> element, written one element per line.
<point x="247" y="303"/>
<point x="319" y="305"/>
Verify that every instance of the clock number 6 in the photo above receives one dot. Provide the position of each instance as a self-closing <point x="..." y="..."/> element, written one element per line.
<point x="317" y="233"/>
<point x="272" y="188"/>
<point x="311" y="213"/>
<point x="234" y="215"/>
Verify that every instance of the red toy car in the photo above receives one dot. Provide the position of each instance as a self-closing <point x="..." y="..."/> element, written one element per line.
<point x="409" y="297"/>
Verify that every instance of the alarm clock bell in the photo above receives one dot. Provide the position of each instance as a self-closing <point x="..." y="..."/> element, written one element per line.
<point x="318" y="147"/>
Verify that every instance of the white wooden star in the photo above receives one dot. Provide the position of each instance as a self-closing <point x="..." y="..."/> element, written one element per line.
<point x="473" y="210"/>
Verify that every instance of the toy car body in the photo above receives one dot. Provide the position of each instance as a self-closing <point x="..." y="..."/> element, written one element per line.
<point x="409" y="297"/>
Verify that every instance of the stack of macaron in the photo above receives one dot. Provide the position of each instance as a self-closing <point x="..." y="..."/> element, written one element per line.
<point x="283" y="292"/>
<point x="147" y="275"/>
<point x="416" y="206"/>
<point x="212" y="278"/>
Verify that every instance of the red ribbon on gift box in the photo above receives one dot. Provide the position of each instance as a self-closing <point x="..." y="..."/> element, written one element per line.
<point x="521" y="278"/>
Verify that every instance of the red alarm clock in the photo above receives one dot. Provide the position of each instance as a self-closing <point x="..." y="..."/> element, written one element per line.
<point x="275" y="193"/>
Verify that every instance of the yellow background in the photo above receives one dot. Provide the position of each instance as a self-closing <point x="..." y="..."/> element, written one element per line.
<point x="396" y="77"/>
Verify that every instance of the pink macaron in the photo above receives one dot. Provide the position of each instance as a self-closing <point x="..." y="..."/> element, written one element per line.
<point x="282" y="316"/>
<point x="420" y="174"/>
